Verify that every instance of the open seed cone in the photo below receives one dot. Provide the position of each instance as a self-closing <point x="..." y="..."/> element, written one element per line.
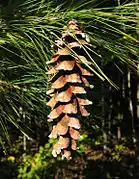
<point x="67" y="92"/>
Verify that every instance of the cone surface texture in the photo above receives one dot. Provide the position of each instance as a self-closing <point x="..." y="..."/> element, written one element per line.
<point x="68" y="89"/>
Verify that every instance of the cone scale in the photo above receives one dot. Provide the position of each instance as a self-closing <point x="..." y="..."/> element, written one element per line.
<point x="67" y="92"/>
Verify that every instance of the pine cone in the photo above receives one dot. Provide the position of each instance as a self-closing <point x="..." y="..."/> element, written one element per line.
<point x="68" y="89"/>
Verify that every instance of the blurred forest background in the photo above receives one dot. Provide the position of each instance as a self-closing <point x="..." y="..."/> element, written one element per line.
<point x="109" y="144"/>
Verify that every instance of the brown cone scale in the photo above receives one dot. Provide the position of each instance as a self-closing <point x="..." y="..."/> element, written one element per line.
<point x="65" y="90"/>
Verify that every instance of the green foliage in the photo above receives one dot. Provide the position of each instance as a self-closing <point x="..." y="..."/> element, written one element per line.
<point x="41" y="164"/>
<point x="37" y="166"/>
<point x="86" y="141"/>
<point x="118" y="149"/>
<point x="27" y="31"/>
